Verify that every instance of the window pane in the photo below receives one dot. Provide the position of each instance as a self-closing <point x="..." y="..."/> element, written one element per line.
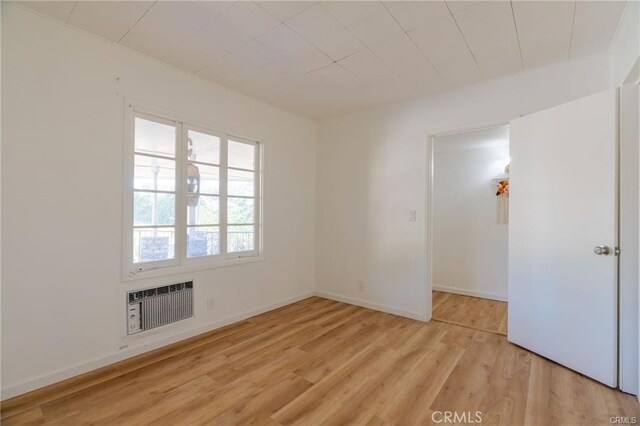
<point x="207" y="177"/>
<point x="153" y="244"/>
<point x="241" y="155"/>
<point x="239" y="238"/>
<point x="203" y="148"/>
<point x="155" y="138"/>
<point x="239" y="210"/>
<point x="203" y="241"/>
<point x="153" y="209"/>
<point x="203" y="210"/>
<point x="240" y="183"/>
<point x="154" y="173"/>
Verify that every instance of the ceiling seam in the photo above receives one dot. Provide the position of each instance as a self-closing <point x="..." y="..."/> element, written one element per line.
<point x="251" y="38"/>
<point x="66" y="21"/>
<point x="292" y="16"/>
<point x="573" y="24"/>
<point x="352" y="34"/>
<point x="617" y="32"/>
<point x="311" y="117"/>
<point x="357" y="38"/>
<point x="465" y="42"/>
<point x="310" y="42"/>
<point x="515" y="25"/>
<point x="136" y="23"/>
<point x="416" y="46"/>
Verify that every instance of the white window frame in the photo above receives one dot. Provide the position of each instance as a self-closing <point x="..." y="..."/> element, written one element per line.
<point x="180" y="262"/>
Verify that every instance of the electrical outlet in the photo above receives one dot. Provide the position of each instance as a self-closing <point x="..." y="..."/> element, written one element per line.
<point x="412" y="215"/>
<point x="361" y="285"/>
<point x="211" y="303"/>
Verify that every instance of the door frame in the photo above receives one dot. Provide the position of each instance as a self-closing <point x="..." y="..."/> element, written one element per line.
<point x="428" y="219"/>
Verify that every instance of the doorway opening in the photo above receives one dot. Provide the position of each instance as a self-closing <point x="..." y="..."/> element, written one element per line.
<point x="469" y="228"/>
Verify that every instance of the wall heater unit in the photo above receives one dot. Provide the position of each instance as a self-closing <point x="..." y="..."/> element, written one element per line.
<point x="155" y="307"/>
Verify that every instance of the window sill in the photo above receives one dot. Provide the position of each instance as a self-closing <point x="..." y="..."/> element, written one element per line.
<point x="190" y="267"/>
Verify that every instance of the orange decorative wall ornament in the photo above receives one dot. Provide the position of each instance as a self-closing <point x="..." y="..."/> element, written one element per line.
<point x="502" y="187"/>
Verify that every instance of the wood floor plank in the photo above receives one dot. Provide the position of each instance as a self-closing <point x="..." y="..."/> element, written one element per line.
<point x="479" y="314"/>
<point x="32" y="416"/>
<point x="324" y="362"/>
<point x="321" y="400"/>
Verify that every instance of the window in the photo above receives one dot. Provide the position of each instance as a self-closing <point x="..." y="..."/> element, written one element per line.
<point x="193" y="195"/>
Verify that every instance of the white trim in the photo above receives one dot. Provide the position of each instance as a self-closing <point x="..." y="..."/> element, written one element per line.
<point x="372" y="305"/>
<point x="47" y="379"/>
<point x="427" y="254"/>
<point x="194" y="264"/>
<point x="127" y="352"/>
<point x="429" y="226"/>
<point x="180" y="262"/>
<point x="211" y="126"/>
<point x="473" y="293"/>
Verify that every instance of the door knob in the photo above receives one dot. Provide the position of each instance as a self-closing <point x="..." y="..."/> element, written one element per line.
<point x="601" y="250"/>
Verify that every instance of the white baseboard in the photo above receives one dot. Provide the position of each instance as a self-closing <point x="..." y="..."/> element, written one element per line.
<point x="47" y="379"/>
<point x="474" y="293"/>
<point x="59" y="375"/>
<point x="371" y="305"/>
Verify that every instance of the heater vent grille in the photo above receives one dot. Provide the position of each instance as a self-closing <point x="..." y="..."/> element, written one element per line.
<point x="155" y="307"/>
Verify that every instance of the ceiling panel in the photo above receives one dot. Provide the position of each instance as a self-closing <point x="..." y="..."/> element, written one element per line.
<point x="425" y="79"/>
<point x="282" y="69"/>
<point x="215" y="8"/>
<point x="111" y="20"/>
<point x="249" y="18"/>
<point x="323" y="30"/>
<point x="223" y="35"/>
<point x="284" y="10"/>
<point x="285" y="41"/>
<point x="400" y="53"/>
<point x="376" y="28"/>
<point x="409" y="62"/>
<point x="165" y="26"/>
<point x="195" y="53"/>
<point x="337" y="76"/>
<point x="322" y="58"/>
<point x="255" y="54"/>
<point x="228" y="71"/>
<point x="185" y="16"/>
<point x="367" y="67"/>
<point x="314" y="23"/>
<point x="445" y="48"/>
<point x="490" y="33"/>
<point x="350" y="12"/>
<point x="310" y="60"/>
<point x="544" y="30"/>
<point x="413" y="14"/>
<point x="595" y="25"/>
<point x="339" y="44"/>
<point x="60" y="10"/>
<point x="459" y="5"/>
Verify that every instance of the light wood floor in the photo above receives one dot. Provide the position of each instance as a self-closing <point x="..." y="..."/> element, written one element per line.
<point x="473" y="312"/>
<point x="324" y="362"/>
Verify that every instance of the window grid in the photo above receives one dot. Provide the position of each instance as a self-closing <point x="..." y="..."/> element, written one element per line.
<point x="181" y="225"/>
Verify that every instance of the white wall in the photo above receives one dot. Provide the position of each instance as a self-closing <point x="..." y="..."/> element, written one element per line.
<point x="372" y="171"/>
<point x="469" y="246"/>
<point x="62" y="168"/>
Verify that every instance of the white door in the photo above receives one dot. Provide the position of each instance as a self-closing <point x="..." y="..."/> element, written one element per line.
<point x="563" y="204"/>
